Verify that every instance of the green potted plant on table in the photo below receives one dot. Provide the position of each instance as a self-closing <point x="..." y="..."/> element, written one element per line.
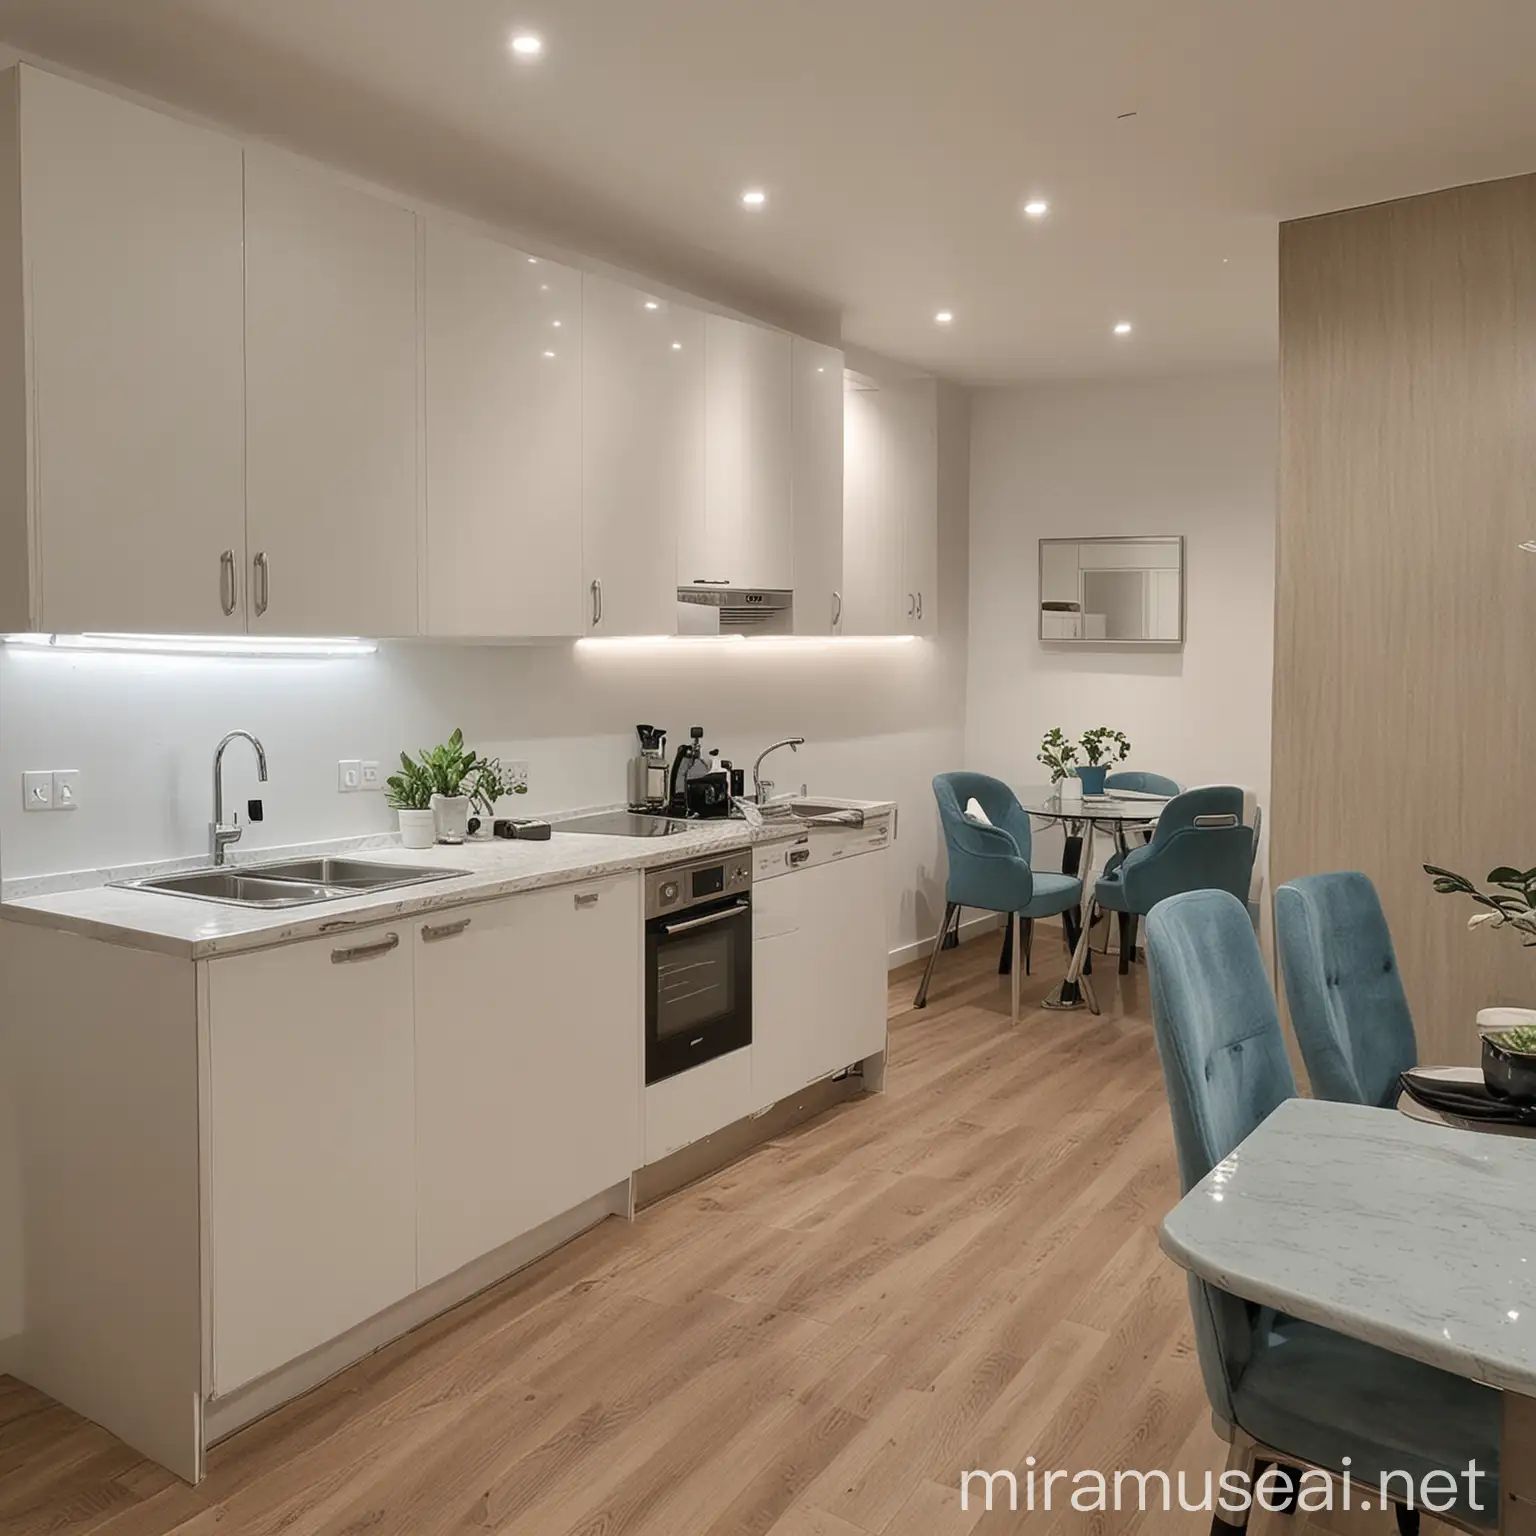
<point x="1058" y="754"/>
<point x="1102" y="748"/>
<point x="410" y="793"/>
<point x="1509" y="1054"/>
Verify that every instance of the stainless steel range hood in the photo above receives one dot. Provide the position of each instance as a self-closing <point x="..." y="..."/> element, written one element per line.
<point x="712" y="608"/>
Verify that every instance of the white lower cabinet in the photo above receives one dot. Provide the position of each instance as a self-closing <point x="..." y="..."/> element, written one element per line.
<point x="818" y="973"/>
<point x="312" y="1198"/>
<point x="528" y="1035"/>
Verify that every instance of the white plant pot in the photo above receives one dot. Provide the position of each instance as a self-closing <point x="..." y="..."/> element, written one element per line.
<point x="1070" y="790"/>
<point x="418" y="829"/>
<point x="452" y="812"/>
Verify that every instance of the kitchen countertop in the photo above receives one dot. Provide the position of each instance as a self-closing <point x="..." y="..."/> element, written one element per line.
<point x="199" y="930"/>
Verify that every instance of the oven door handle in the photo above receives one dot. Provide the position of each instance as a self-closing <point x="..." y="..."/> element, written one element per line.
<point x="739" y="910"/>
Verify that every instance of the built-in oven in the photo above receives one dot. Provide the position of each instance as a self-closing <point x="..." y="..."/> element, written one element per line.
<point x="698" y="962"/>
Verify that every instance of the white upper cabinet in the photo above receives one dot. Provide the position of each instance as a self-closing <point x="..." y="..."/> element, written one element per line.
<point x="121" y="392"/>
<point x="331" y="405"/>
<point x="817" y="486"/>
<point x="890" y="510"/>
<point x="503" y="417"/>
<point x="642" y="453"/>
<point x="744" y="536"/>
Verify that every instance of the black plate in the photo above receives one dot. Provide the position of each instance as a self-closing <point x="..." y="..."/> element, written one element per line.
<point x="1465" y="1100"/>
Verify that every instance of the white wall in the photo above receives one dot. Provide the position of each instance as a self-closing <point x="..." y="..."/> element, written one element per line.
<point x="1188" y="455"/>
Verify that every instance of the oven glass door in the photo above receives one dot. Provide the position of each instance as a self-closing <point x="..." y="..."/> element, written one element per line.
<point x="698" y="986"/>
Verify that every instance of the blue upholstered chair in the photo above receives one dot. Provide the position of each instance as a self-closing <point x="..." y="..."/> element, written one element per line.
<point x="1202" y="842"/>
<point x="1345" y="992"/>
<point x="1142" y="783"/>
<point x="1284" y="1389"/>
<point x="989" y="866"/>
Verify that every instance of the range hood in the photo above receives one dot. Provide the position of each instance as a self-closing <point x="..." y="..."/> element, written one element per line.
<point x="711" y="608"/>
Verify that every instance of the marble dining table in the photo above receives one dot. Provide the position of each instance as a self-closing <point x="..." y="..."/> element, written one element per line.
<point x="1415" y="1237"/>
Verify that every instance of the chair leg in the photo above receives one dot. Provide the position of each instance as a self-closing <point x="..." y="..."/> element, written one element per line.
<point x="1018" y="950"/>
<point x="1126" y="942"/>
<point x="1029" y="942"/>
<point x="1077" y="971"/>
<point x="921" y="1000"/>
<point x="1407" y="1520"/>
<point x="1241" y="1459"/>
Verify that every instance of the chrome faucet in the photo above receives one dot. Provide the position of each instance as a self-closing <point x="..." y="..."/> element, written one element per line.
<point x="219" y="835"/>
<point x="762" y="788"/>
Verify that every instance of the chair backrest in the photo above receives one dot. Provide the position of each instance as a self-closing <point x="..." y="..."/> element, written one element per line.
<point x="1225" y="1067"/>
<point x="1204" y="840"/>
<point x="988" y="865"/>
<point x="1143" y="783"/>
<point x="1344" y="989"/>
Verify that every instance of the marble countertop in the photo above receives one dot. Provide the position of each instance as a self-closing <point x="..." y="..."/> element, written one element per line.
<point x="198" y="930"/>
<point x="1419" y="1238"/>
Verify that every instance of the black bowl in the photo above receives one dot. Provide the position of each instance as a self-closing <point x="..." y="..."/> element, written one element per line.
<point x="1507" y="1075"/>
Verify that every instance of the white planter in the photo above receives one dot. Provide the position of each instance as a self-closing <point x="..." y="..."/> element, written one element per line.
<point x="418" y="829"/>
<point x="1070" y="790"/>
<point x="452" y="812"/>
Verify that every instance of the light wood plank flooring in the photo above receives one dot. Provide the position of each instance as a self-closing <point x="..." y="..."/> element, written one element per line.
<point x="814" y="1342"/>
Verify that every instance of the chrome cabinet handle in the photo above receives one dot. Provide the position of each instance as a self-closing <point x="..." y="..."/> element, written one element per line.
<point x="597" y="602"/>
<point x="366" y="951"/>
<point x="432" y="932"/>
<point x="911" y="604"/>
<point x="837" y="610"/>
<point x="919" y="605"/>
<point x="703" y="922"/>
<point x="587" y="899"/>
<point x="263" y="582"/>
<point x="227" y="582"/>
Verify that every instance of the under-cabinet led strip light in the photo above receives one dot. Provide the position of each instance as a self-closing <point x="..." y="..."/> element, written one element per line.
<point x="198" y="645"/>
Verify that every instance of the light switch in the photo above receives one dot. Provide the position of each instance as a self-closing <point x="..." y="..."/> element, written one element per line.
<point x="66" y="788"/>
<point x="37" y="791"/>
<point x="349" y="775"/>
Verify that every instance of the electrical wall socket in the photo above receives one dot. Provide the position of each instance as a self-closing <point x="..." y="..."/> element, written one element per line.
<point x="37" y="790"/>
<point x="349" y="775"/>
<point x="66" y="788"/>
<point x="372" y="778"/>
<point x="516" y="777"/>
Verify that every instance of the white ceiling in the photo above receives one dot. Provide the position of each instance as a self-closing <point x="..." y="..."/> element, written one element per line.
<point x="896" y="140"/>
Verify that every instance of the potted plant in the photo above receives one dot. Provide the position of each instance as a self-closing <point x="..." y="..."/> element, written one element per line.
<point x="1509" y="1055"/>
<point x="453" y="771"/>
<point x="1103" y="747"/>
<point x="489" y="786"/>
<point x="410" y="793"/>
<point x="1058" y="754"/>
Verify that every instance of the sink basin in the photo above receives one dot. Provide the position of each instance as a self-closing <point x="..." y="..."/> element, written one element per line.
<point x="354" y="874"/>
<point x="241" y="890"/>
<point x="289" y="883"/>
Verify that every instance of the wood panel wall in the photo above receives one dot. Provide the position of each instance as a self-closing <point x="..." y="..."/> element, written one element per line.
<point x="1405" y="648"/>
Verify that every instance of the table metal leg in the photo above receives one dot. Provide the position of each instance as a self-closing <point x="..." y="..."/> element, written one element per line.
<point x="1077" y="981"/>
<point x="1517" y="1467"/>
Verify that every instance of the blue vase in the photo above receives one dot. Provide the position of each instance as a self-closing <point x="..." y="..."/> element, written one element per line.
<point x="1093" y="778"/>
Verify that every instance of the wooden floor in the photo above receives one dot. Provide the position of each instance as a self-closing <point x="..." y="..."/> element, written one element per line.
<point x="815" y="1342"/>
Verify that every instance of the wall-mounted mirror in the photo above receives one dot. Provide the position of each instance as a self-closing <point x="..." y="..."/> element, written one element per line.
<point x="1112" y="591"/>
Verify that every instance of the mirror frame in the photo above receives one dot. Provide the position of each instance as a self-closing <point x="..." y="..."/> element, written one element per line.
<point x="1111" y="538"/>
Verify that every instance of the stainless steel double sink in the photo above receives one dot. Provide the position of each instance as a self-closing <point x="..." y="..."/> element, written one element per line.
<point x="289" y="882"/>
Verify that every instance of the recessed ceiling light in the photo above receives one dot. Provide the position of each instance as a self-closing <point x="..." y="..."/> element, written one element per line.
<point x="533" y="261"/>
<point x="1037" y="208"/>
<point x="677" y="346"/>
<point x="556" y="323"/>
<point x="652" y="304"/>
<point x="1122" y="328"/>
<point x="549" y="354"/>
<point x="527" y="45"/>
<point x="943" y="317"/>
<point x="753" y="197"/>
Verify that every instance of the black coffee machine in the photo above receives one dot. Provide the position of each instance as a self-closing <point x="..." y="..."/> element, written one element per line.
<point x="701" y="784"/>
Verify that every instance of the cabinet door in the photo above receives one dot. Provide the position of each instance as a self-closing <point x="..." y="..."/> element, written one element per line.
<point x="748" y="517"/>
<point x="528" y="1036"/>
<point x="331" y="419"/>
<point x="817" y="491"/>
<point x="845" y="907"/>
<point x="312" y="1120"/>
<point x="783" y="1030"/>
<point x="642" y="454"/>
<point x="913" y="435"/>
<point x="132" y="244"/>
<point x="503" y="434"/>
<point x="874" y="601"/>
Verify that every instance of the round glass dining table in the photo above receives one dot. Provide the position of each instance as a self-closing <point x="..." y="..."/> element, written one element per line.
<point x="1115" y="813"/>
